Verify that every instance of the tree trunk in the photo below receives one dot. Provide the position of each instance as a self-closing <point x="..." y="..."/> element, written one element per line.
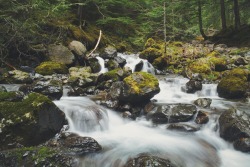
<point x="236" y="15"/>
<point x="200" y="20"/>
<point x="165" y="29"/>
<point x="223" y="14"/>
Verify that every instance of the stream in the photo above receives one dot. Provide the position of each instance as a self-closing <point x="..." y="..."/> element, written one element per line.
<point x="122" y="139"/>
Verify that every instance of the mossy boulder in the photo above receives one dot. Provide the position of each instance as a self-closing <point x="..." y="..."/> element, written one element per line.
<point x="201" y="65"/>
<point x="60" y="54"/>
<point x="31" y="121"/>
<point x="108" y="52"/>
<point x="160" y="63"/>
<point x="82" y="77"/>
<point x="150" y="54"/>
<point x="94" y="65"/>
<point x="11" y="96"/>
<point x="16" y="77"/>
<point x="232" y="87"/>
<point x="140" y="87"/>
<point x="36" y="156"/>
<point x="220" y="63"/>
<point x="50" y="67"/>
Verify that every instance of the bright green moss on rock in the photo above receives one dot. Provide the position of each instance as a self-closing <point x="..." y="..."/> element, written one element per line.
<point x="240" y="73"/>
<point x="213" y="54"/>
<point x="220" y="63"/>
<point x="150" y="54"/>
<point x="49" y="68"/>
<point x="232" y="87"/>
<point x="150" y="43"/>
<point x="138" y="82"/>
<point x="114" y="75"/>
<point x="201" y="65"/>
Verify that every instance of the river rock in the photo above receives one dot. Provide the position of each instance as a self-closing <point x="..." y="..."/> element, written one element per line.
<point x="242" y="144"/>
<point x="50" y="67"/>
<point x="171" y="113"/>
<point x="3" y="89"/>
<point x="138" y="66"/>
<point x="60" y="54"/>
<point x="192" y="86"/>
<point x="13" y="96"/>
<point x="31" y="121"/>
<point x="139" y="87"/>
<point x="94" y="65"/>
<point x="240" y="61"/>
<point x="232" y="87"/>
<point x="202" y="117"/>
<point x="121" y="61"/>
<point x="234" y="125"/>
<point x="108" y="52"/>
<point x="36" y="156"/>
<point x="81" y="145"/>
<point x="81" y="77"/>
<point x="112" y="64"/>
<point x="16" y="77"/>
<point x="145" y="160"/>
<point x="203" y="102"/>
<point x="77" y="47"/>
<point x="182" y="127"/>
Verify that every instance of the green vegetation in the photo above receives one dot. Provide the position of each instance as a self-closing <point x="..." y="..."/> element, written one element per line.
<point x="139" y="81"/>
<point x="49" y="68"/>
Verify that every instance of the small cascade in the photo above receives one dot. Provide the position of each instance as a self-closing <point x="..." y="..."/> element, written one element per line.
<point x="133" y="59"/>
<point x="102" y="64"/>
<point x="83" y="115"/>
<point x="11" y="87"/>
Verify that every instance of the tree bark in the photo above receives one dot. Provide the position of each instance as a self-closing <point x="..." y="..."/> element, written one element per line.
<point x="223" y="14"/>
<point x="200" y="20"/>
<point x="236" y="15"/>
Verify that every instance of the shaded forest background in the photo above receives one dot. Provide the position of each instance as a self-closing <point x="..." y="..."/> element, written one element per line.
<point x="28" y="26"/>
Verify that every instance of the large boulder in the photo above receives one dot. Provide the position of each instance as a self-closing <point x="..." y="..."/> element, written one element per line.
<point x="13" y="96"/>
<point x="234" y="125"/>
<point x="170" y="113"/>
<point x="31" y="121"/>
<point x="80" y="145"/>
<point x="77" y="47"/>
<point x="51" y="88"/>
<point x="234" y="85"/>
<point x="16" y="77"/>
<point x="108" y="52"/>
<point x="60" y="54"/>
<point x="150" y="54"/>
<point x="50" y="67"/>
<point x="140" y="87"/>
<point x="81" y="77"/>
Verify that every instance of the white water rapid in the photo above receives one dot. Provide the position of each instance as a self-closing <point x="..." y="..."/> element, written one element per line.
<point x="122" y="139"/>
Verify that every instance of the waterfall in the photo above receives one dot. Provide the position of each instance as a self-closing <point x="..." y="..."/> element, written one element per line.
<point x="102" y="64"/>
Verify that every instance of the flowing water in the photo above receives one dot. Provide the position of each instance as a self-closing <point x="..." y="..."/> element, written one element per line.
<point x="122" y="139"/>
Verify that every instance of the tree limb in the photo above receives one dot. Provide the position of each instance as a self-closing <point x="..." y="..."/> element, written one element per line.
<point x="99" y="39"/>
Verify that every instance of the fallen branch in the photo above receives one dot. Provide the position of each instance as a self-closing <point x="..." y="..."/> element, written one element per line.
<point x="99" y="39"/>
<point x="9" y="65"/>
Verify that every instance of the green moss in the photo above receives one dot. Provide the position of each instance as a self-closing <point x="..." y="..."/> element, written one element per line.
<point x="5" y="96"/>
<point x="161" y="62"/>
<point x="17" y="112"/>
<point x="139" y="81"/>
<point x="239" y="51"/>
<point x="150" y="54"/>
<point x="49" y="68"/>
<point x="150" y="43"/>
<point x="240" y="73"/>
<point x="37" y="154"/>
<point x="232" y="87"/>
<point x="114" y="75"/>
<point x="213" y="54"/>
<point x="201" y="65"/>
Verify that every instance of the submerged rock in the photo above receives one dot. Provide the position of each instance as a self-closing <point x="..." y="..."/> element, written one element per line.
<point x="203" y="102"/>
<point x="31" y="121"/>
<point x="81" y="145"/>
<point x="182" y="127"/>
<point x="145" y="160"/>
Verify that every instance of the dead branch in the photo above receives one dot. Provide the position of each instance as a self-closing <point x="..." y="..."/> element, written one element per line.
<point x="99" y="39"/>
